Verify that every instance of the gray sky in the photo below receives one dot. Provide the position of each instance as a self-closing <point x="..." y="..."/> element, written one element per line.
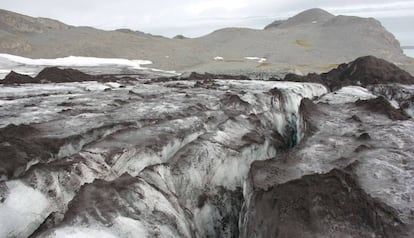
<point x="199" y="17"/>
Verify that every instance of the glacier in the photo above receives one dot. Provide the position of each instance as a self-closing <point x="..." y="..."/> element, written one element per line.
<point x="205" y="158"/>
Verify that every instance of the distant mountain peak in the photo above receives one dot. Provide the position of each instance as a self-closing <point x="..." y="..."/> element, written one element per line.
<point x="313" y="15"/>
<point x="314" y="12"/>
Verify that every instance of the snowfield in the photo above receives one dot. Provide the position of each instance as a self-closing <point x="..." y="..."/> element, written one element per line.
<point x="72" y="61"/>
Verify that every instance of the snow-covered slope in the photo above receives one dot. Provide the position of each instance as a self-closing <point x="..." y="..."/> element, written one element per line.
<point x="91" y="65"/>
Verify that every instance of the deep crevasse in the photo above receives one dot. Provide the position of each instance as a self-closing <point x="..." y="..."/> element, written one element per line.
<point x="207" y="163"/>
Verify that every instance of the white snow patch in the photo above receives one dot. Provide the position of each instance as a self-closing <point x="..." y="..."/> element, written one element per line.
<point x="259" y="59"/>
<point x="164" y="71"/>
<point x="22" y="211"/>
<point x="77" y="61"/>
<point x="113" y="84"/>
<point x="251" y="58"/>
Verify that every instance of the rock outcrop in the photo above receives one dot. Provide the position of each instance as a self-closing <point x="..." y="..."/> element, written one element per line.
<point x="363" y="71"/>
<point x="320" y="205"/>
<point x="16" y="78"/>
<point x="58" y="75"/>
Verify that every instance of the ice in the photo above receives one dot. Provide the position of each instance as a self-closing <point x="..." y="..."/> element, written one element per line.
<point x="347" y="94"/>
<point x="82" y="232"/>
<point x="77" y="61"/>
<point x="205" y="218"/>
<point x="127" y="227"/>
<point x="188" y="128"/>
<point x="397" y="94"/>
<point x="31" y="90"/>
<point x="22" y="211"/>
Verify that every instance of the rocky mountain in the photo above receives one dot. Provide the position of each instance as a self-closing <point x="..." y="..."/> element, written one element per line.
<point x="207" y="155"/>
<point x="314" y="40"/>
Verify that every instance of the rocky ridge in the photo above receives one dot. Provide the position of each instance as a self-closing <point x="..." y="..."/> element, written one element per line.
<point x="311" y="41"/>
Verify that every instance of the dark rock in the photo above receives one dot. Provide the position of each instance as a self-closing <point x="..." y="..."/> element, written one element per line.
<point x="202" y="199"/>
<point x="58" y="75"/>
<point x="320" y="205"/>
<point x="279" y="142"/>
<point x="355" y="118"/>
<point x="362" y="148"/>
<point x="364" y="136"/>
<point x="365" y="71"/>
<point x="16" y="78"/>
<point x="207" y="76"/>
<point x="382" y="106"/>
<point x="253" y="137"/>
<point x="66" y="104"/>
<point x="277" y="93"/>
<point x="310" y="78"/>
<point x="233" y="101"/>
<point x="101" y="195"/>
<point x="306" y="109"/>
<point x="18" y="146"/>
<point x="163" y="79"/>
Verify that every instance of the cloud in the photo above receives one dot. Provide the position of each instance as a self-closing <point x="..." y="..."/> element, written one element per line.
<point x="203" y="7"/>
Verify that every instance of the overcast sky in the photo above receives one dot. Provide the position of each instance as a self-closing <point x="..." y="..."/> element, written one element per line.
<point x="199" y="17"/>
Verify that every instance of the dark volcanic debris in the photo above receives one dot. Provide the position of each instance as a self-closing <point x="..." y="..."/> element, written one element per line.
<point x="381" y="105"/>
<point x="320" y="205"/>
<point x="19" y="146"/>
<point x="16" y="78"/>
<point x="57" y="75"/>
<point x="363" y="71"/>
